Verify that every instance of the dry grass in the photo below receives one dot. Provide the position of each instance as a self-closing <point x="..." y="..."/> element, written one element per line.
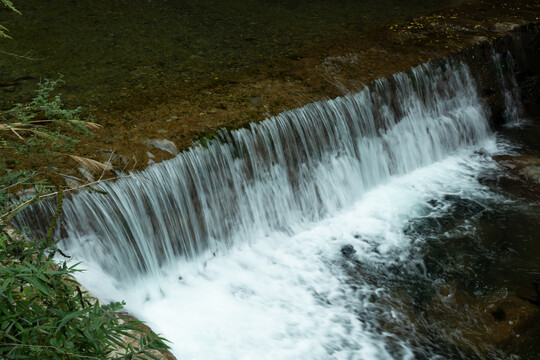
<point x="90" y="165"/>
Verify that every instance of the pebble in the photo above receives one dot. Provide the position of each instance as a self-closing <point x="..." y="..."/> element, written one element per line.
<point x="163" y="144"/>
<point x="255" y="100"/>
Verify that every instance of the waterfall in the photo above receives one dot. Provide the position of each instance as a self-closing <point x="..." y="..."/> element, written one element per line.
<point x="294" y="168"/>
<point x="513" y="109"/>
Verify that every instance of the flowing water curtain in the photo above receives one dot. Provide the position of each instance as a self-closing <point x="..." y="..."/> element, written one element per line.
<point x="297" y="167"/>
<point x="505" y="69"/>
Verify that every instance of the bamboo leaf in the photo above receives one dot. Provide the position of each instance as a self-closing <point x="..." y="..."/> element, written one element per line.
<point x="71" y="316"/>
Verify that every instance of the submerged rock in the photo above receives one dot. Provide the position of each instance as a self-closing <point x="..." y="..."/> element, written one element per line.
<point x="151" y="158"/>
<point x="504" y="27"/>
<point x="479" y="39"/>
<point x="521" y="175"/>
<point x="348" y="251"/>
<point x="255" y="100"/>
<point x="532" y="173"/>
<point x="529" y="293"/>
<point x="163" y="144"/>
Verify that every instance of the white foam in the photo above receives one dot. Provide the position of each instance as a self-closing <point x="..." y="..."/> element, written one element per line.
<point x="286" y="296"/>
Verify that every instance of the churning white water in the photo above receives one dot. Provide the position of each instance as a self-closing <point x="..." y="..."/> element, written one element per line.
<point x="267" y="243"/>
<point x="290" y="296"/>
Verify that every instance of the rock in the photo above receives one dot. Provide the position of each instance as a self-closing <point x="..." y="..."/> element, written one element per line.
<point x="529" y="293"/>
<point x="348" y="251"/>
<point x="504" y="27"/>
<point x="85" y="173"/>
<point x="123" y="159"/>
<point x="479" y="39"/>
<point x="72" y="181"/>
<point x="107" y="155"/>
<point x="255" y="100"/>
<point x="532" y="173"/>
<point x="27" y="193"/>
<point x="163" y="144"/>
<point x="530" y="93"/>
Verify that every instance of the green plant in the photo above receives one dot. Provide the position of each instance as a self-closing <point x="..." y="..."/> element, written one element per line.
<point x="43" y="122"/>
<point x="38" y="135"/>
<point x="24" y="180"/>
<point x="44" y="314"/>
<point x="205" y="139"/>
<point x="9" y="5"/>
<point x="42" y="134"/>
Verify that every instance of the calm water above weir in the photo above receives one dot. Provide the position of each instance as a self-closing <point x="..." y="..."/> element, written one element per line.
<point x="111" y="50"/>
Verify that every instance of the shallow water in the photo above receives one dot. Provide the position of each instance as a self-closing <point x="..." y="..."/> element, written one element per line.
<point x="111" y="50"/>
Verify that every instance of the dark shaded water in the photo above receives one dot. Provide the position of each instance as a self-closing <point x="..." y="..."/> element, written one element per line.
<point x="487" y="251"/>
<point x="109" y="50"/>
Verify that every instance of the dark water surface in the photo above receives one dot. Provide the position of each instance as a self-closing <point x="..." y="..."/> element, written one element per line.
<point x="109" y="50"/>
<point x="488" y="252"/>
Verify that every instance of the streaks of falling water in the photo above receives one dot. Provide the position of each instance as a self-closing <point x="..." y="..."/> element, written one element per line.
<point x="300" y="166"/>
<point x="513" y="109"/>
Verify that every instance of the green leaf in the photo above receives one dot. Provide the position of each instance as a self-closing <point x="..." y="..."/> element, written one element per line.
<point x="38" y="285"/>
<point x="71" y="316"/>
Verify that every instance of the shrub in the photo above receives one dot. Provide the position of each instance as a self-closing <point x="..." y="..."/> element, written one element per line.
<point x="44" y="313"/>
